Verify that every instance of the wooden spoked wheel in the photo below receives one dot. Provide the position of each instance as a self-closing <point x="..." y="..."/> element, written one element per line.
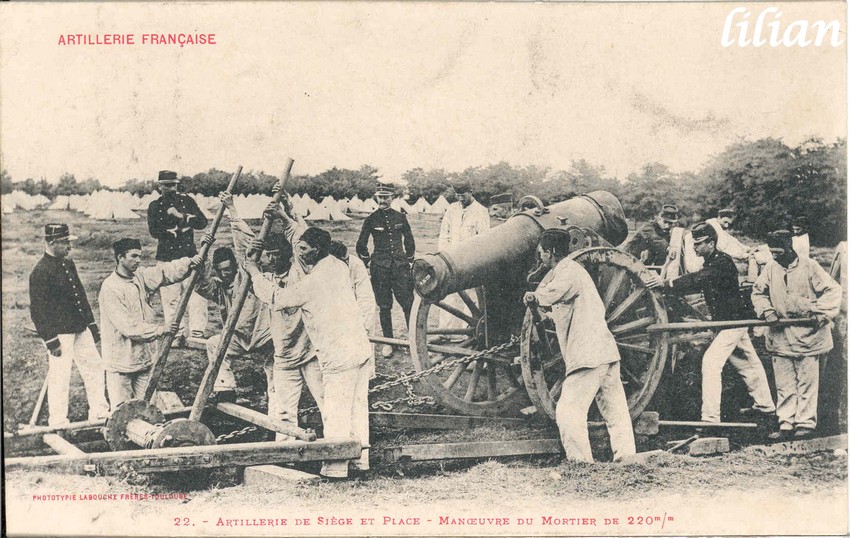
<point x="630" y="307"/>
<point x="454" y="327"/>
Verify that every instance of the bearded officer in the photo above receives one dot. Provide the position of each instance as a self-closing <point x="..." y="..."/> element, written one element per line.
<point x="389" y="263"/>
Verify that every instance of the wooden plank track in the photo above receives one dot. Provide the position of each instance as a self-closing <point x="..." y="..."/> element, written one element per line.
<point x="419" y="421"/>
<point x="486" y="449"/>
<point x="188" y="458"/>
<point x="804" y="446"/>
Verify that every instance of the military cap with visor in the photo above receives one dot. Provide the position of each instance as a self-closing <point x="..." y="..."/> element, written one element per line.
<point x="168" y="177"/>
<point x="385" y="189"/>
<point x="780" y="239"/>
<point x="670" y="213"/>
<point x="58" y="232"/>
<point x="703" y="232"/>
<point x="462" y="187"/>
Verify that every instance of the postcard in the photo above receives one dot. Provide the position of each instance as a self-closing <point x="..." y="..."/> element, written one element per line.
<point x="431" y="155"/>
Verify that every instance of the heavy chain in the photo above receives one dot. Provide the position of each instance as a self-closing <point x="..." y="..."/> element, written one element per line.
<point x="407" y="380"/>
<point x="234" y="434"/>
<point x="411" y="399"/>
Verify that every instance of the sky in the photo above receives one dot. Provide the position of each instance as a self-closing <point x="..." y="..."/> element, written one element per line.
<point x="398" y="86"/>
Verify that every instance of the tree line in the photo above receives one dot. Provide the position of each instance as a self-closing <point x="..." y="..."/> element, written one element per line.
<point x="768" y="182"/>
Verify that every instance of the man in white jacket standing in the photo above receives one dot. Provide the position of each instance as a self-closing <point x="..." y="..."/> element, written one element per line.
<point x="129" y="330"/>
<point x="332" y="318"/>
<point x="795" y="287"/>
<point x="588" y="348"/>
<point x="464" y="219"/>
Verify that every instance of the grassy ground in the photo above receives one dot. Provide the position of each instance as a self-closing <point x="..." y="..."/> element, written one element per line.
<point x="533" y="486"/>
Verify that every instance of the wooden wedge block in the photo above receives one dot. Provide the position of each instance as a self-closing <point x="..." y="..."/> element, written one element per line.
<point x="708" y="446"/>
<point x="167" y="400"/>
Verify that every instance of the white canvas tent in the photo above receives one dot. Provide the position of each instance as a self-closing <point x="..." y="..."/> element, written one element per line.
<point x="369" y="205"/>
<point x="400" y="205"/>
<point x="61" y="203"/>
<point x="440" y="206"/>
<point x="106" y="205"/>
<point x="355" y="205"/>
<point x="319" y="212"/>
<point x="420" y="206"/>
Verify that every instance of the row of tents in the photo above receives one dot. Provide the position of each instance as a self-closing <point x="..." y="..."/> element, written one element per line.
<point x="121" y="205"/>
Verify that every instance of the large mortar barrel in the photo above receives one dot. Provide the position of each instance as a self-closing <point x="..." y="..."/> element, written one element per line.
<point x="502" y="253"/>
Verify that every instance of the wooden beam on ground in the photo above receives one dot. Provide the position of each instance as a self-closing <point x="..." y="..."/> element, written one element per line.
<point x="166" y="400"/>
<point x="196" y="343"/>
<point x="195" y="457"/>
<point x="474" y="450"/>
<point x="645" y="424"/>
<point x="264" y="421"/>
<point x="61" y="445"/>
<point x="718" y="425"/>
<point x="803" y="447"/>
<point x="709" y="446"/>
<point x="422" y="421"/>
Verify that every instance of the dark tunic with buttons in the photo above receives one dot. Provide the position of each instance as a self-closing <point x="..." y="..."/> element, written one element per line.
<point x="389" y="264"/>
<point x="392" y="237"/>
<point x="718" y="282"/>
<point x="176" y="235"/>
<point x="58" y="302"/>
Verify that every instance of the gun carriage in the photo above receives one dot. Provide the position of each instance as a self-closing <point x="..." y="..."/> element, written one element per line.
<point x="488" y="275"/>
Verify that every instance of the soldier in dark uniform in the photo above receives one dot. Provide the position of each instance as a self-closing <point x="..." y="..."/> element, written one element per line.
<point x="651" y="241"/>
<point x="172" y="220"/>
<point x="63" y="318"/>
<point x="389" y="263"/>
<point x="718" y="282"/>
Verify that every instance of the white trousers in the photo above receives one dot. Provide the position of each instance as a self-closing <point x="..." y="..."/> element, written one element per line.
<point x="285" y="385"/>
<point x="580" y="389"/>
<point x="225" y="381"/>
<point x="76" y="349"/>
<point x="749" y="367"/>
<point x="196" y="311"/>
<point x="797" y="381"/>
<point x="127" y="386"/>
<point x="345" y="414"/>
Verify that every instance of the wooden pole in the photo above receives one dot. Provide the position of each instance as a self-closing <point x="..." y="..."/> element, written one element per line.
<point x="61" y="445"/>
<point x="263" y="421"/>
<point x="239" y="296"/>
<point x="734" y="324"/>
<point x="39" y="403"/>
<point x="165" y="343"/>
